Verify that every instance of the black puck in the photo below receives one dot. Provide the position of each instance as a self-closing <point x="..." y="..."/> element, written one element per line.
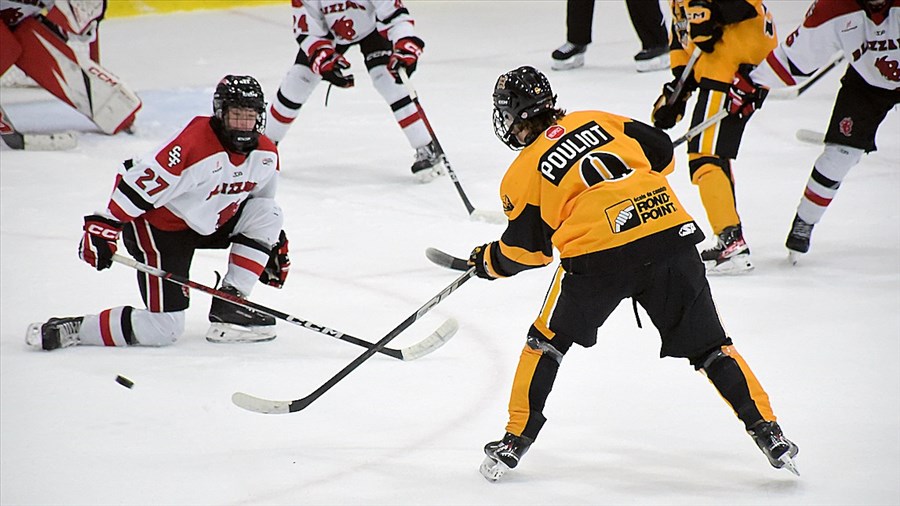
<point x="125" y="382"/>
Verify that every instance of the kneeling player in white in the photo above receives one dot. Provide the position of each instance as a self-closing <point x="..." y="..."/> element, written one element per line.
<point x="211" y="186"/>
<point x="39" y="48"/>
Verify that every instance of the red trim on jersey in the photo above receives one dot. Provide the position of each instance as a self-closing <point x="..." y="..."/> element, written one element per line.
<point x="409" y="120"/>
<point x="196" y="142"/>
<point x="118" y="213"/>
<point x="163" y="219"/>
<point x="246" y="263"/>
<point x="823" y="11"/>
<point x="816" y="199"/>
<point x="105" y="328"/>
<point x="154" y="284"/>
<point x="279" y="117"/>
<point x="783" y="73"/>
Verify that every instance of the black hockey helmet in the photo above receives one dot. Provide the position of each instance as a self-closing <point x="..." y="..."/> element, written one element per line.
<point x="520" y="94"/>
<point x="239" y="91"/>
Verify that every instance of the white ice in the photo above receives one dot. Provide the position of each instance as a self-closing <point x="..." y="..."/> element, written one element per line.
<point x="624" y="426"/>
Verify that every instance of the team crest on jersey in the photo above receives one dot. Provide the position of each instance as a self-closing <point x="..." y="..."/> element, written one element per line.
<point x="846" y="126"/>
<point x="507" y="204"/>
<point x="622" y="216"/>
<point x="555" y="132"/>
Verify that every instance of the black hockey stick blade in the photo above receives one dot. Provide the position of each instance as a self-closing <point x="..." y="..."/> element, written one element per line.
<point x="267" y="406"/>
<point x="446" y="260"/>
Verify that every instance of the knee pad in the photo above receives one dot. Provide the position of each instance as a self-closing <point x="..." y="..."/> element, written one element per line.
<point x="706" y="359"/>
<point x="836" y="160"/>
<point x="296" y="87"/>
<point x="386" y="85"/>
<point x="545" y="347"/>
<point x="261" y="220"/>
<point x="701" y="165"/>
<point x="157" y="329"/>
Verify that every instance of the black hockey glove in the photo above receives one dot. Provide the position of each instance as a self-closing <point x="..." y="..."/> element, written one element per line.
<point x="480" y="258"/>
<point x="705" y="24"/>
<point x="98" y="245"/>
<point x="330" y="64"/>
<point x="406" y="54"/>
<point x="745" y="96"/>
<point x="279" y="265"/>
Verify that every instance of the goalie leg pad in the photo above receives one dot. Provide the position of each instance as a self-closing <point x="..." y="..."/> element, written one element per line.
<point x="10" y="49"/>
<point x="83" y="84"/>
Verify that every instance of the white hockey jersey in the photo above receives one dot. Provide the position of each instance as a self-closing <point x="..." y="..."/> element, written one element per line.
<point x="348" y="21"/>
<point x="871" y="43"/>
<point x="192" y="182"/>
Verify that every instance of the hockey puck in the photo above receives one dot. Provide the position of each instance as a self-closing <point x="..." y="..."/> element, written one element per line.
<point x="125" y="382"/>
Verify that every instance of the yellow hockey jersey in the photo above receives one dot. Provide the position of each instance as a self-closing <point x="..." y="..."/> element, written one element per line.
<point x="592" y="185"/>
<point x="748" y="34"/>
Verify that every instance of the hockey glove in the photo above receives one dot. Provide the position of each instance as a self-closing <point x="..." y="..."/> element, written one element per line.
<point x="279" y="265"/>
<point x="744" y="96"/>
<point x="480" y="257"/>
<point x="665" y="115"/>
<point x="98" y="245"/>
<point x="406" y="54"/>
<point x="330" y="64"/>
<point x="705" y="24"/>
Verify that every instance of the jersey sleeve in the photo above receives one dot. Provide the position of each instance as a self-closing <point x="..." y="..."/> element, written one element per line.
<point x="805" y="50"/>
<point x="656" y="145"/>
<point x="310" y="30"/>
<point x="394" y="18"/>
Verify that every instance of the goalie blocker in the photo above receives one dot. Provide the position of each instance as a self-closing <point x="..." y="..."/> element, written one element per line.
<point x="83" y="84"/>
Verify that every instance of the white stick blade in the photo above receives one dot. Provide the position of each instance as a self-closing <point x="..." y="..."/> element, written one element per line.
<point x="810" y="136"/>
<point x="50" y="142"/>
<point x="495" y="217"/>
<point x="437" y="339"/>
<point x="259" y="405"/>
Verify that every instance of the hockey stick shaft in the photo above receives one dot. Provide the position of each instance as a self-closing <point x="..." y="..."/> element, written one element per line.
<point x="820" y="73"/>
<point x="682" y="79"/>
<point x="159" y="273"/>
<point x="415" y="98"/>
<point x="252" y="403"/>
<point x="693" y="132"/>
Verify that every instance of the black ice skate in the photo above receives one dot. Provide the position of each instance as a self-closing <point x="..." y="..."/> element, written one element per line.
<point x="231" y="323"/>
<point x="798" y="239"/>
<point x="503" y="455"/>
<point x="730" y="255"/>
<point x="655" y="58"/>
<point x="428" y="163"/>
<point x="778" y="449"/>
<point x="568" y="56"/>
<point x="55" y="333"/>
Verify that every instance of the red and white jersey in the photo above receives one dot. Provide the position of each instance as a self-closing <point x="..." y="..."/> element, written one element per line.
<point x="871" y="43"/>
<point x="348" y="21"/>
<point x="192" y="181"/>
<point x="12" y="12"/>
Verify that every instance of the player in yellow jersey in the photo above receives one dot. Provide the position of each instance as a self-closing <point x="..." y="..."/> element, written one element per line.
<point x="593" y="185"/>
<point x="731" y="35"/>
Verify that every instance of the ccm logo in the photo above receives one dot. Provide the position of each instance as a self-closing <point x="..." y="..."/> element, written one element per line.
<point x="106" y="233"/>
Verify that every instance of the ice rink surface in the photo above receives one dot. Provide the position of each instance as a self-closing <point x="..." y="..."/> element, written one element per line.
<point x="624" y="426"/>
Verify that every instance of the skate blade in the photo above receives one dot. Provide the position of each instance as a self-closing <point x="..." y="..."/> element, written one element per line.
<point x="33" y="334"/>
<point x="492" y="470"/>
<point x="794" y="256"/>
<point x="787" y="462"/>
<point x="661" y="62"/>
<point x="568" y="64"/>
<point x="735" y="265"/>
<point x="428" y="175"/>
<point x="230" y="333"/>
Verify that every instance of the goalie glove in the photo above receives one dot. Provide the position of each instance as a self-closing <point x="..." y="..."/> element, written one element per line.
<point x="98" y="245"/>
<point x="406" y="54"/>
<point x="328" y="63"/>
<point x="279" y="265"/>
<point x="745" y="96"/>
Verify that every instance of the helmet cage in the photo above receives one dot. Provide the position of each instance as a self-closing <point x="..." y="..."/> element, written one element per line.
<point x="519" y="95"/>
<point x="240" y="92"/>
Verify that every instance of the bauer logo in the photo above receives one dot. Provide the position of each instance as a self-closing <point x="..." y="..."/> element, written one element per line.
<point x="622" y="216"/>
<point x="555" y="132"/>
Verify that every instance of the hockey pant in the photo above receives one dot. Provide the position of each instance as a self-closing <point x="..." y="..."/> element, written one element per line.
<point x="251" y="234"/>
<point x="859" y="110"/>
<point x="675" y="294"/>
<point x="710" y="154"/>
<point x="80" y="82"/>
<point x="300" y="81"/>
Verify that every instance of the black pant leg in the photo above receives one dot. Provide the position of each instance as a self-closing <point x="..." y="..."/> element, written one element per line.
<point x="649" y="23"/>
<point x="579" y="18"/>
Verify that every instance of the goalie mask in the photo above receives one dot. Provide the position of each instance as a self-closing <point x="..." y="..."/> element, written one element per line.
<point x="519" y="95"/>
<point x="236" y="100"/>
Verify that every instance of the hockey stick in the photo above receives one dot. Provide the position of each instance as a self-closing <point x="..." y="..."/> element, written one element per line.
<point x="446" y="260"/>
<point x="679" y="86"/>
<point x="34" y="142"/>
<point x="420" y="349"/>
<point x="810" y="136"/>
<point x="475" y="214"/>
<point x="693" y="132"/>
<point x="798" y="89"/>
<point x="260" y="405"/>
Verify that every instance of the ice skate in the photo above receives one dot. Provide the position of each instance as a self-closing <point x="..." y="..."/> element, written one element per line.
<point x="730" y="255"/>
<point x="798" y="239"/>
<point x="231" y="323"/>
<point x="55" y="333"/>
<point x="503" y="455"/>
<point x="428" y="163"/>
<point x="655" y="58"/>
<point x="568" y="56"/>
<point x="778" y="449"/>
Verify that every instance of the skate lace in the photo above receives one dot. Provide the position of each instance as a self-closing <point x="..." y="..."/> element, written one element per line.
<point x="69" y="330"/>
<point x="425" y="152"/>
<point x="567" y="47"/>
<point x="802" y="229"/>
